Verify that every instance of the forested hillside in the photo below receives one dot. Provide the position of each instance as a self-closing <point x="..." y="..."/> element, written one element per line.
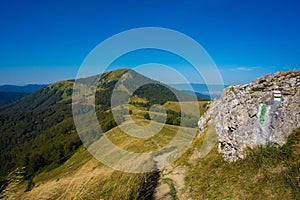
<point x="38" y="131"/>
<point x="10" y="97"/>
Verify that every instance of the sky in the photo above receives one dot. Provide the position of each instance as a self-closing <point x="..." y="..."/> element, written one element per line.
<point x="47" y="41"/>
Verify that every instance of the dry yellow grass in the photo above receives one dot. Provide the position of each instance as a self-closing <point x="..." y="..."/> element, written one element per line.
<point x="137" y="99"/>
<point x="84" y="177"/>
<point x="134" y="144"/>
<point x="81" y="177"/>
<point x="189" y="107"/>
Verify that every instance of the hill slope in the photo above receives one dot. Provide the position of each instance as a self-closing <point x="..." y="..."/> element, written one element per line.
<point x="22" y="89"/>
<point x="38" y="132"/>
<point x="10" y="97"/>
<point x="266" y="173"/>
<point x="12" y="93"/>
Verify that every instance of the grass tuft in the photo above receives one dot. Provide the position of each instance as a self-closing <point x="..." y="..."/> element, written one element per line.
<point x="172" y="188"/>
<point x="271" y="172"/>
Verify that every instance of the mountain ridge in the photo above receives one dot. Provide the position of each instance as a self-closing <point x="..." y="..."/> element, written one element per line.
<point x="12" y="93"/>
<point x="38" y="138"/>
<point x="10" y="97"/>
<point x="29" y="88"/>
<point x="46" y="115"/>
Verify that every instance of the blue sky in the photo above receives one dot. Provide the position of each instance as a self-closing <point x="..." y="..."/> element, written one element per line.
<point x="46" y="41"/>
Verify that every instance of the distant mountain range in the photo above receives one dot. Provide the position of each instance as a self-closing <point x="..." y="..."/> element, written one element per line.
<point x="201" y="90"/>
<point x="197" y="94"/>
<point x="10" y="97"/>
<point x="22" y="89"/>
<point x="12" y="93"/>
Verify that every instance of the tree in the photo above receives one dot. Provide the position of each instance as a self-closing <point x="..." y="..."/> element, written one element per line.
<point x="147" y="116"/>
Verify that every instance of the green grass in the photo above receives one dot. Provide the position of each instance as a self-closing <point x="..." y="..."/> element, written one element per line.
<point x="134" y="144"/>
<point x="266" y="173"/>
<point x="172" y="188"/>
<point x="140" y="145"/>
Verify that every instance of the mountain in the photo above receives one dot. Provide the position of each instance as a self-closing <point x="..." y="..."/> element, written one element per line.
<point x="21" y="89"/>
<point x="38" y="132"/>
<point x="199" y="95"/>
<point x="12" y="93"/>
<point x="10" y="97"/>
<point x="201" y="90"/>
<point x="247" y="146"/>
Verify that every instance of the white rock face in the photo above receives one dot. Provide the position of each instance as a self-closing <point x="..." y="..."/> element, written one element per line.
<point x="247" y="115"/>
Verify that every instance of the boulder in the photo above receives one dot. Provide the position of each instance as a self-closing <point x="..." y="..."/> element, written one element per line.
<point x="247" y="116"/>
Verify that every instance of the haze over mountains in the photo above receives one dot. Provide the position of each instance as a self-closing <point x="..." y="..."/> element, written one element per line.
<point x="22" y="89"/>
<point x="12" y="93"/>
<point x="201" y="90"/>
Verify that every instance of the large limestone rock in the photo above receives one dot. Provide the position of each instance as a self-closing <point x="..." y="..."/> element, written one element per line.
<point x="247" y="115"/>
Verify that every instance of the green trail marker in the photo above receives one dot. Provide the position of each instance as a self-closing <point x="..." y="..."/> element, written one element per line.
<point x="262" y="114"/>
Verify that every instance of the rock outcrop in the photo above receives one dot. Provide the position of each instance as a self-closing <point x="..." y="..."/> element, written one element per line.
<point x="248" y="115"/>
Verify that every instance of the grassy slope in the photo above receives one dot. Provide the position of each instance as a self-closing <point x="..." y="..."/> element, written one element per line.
<point x="45" y="117"/>
<point x="266" y="173"/>
<point x="175" y="106"/>
<point x="271" y="173"/>
<point x="153" y="143"/>
<point x="82" y="176"/>
<point x="86" y="178"/>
